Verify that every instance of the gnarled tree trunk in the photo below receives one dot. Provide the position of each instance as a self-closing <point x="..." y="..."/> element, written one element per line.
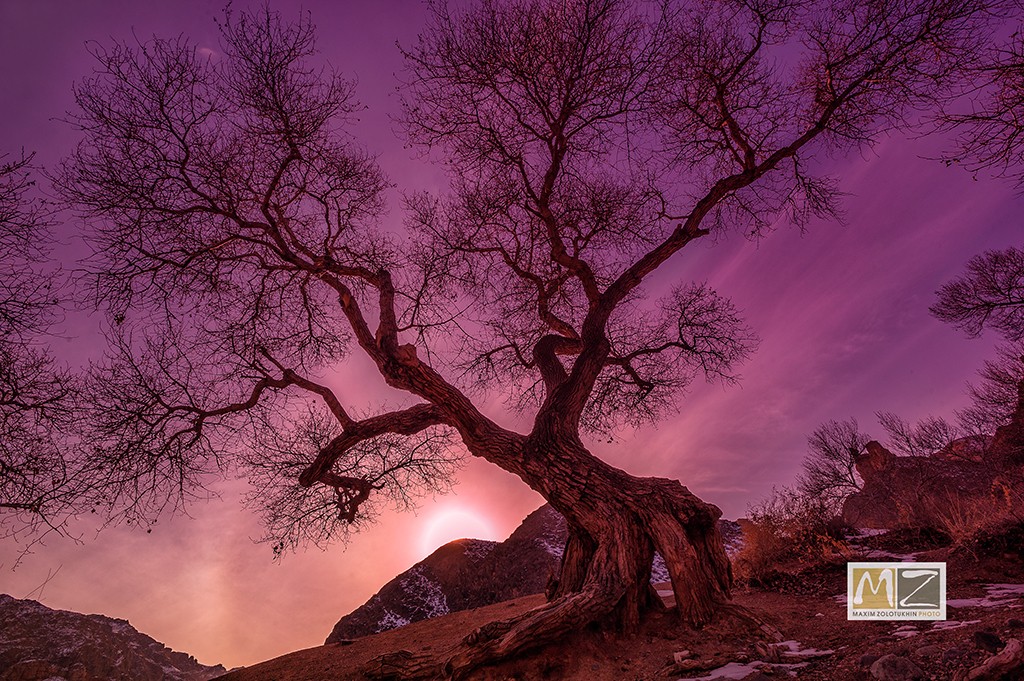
<point x="616" y="522"/>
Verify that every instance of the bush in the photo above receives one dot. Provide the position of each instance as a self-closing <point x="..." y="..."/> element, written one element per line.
<point x="789" y="530"/>
<point x="968" y="520"/>
<point x="1002" y="538"/>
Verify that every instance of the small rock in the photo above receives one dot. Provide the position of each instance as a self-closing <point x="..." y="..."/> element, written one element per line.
<point x="988" y="641"/>
<point x="1014" y="623"/>
<point x="867" y="660"/>
<point x="896" y="668"/>
<point x="929" y="651"/>
<point x="952" y="655"/>
<point x="681" y="655"/>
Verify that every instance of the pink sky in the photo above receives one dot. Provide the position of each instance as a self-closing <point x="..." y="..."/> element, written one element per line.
<point x="842" y="311"/>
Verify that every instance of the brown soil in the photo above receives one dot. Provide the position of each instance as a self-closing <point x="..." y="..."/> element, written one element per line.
<point x="802" y="606"/>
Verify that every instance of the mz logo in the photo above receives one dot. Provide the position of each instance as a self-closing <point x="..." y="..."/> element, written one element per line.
<point x="914" y="591"/>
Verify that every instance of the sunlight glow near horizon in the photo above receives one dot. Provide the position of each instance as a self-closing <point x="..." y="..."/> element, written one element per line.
<point x="451" y="523"/>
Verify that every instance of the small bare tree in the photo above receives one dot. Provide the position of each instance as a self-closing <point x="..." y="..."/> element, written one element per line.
<point x="830" y="467"/>
<point x="927" y="436"/>
<point x="996" y="397"/>
<point x="35" y="393"/>
<point x="588" y="143"/>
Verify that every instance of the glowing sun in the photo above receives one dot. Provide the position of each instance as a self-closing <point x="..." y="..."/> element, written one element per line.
<point x="453" y="523"/>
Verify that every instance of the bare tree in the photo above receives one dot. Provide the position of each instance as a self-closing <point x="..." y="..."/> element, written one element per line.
<point x="830" y="467"/>
<point x="35" y="392"/>
<point x="990" y="294"/>
<point x="994" y="398"/>
<point x="588" y="143"/>
<point x="927" y="436"/>
<point x="987" y="120"/>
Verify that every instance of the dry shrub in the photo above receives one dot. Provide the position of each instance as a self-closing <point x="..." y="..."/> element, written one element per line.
<point x="967" y="518"/>
<point x="789" y="530"/>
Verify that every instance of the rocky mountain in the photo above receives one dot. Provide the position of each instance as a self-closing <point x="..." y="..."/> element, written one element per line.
<point x="41" y="644"/>
<point x="470" y="573"/>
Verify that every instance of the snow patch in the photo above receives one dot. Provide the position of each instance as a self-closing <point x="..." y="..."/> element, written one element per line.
<point x="946" y="625"/>
<point x="794" y="649"/>
<point x="734" y="671"/>
<point x="555" y="548"/>
<point x="426" y="593"/>
<point x="906" y="631"/>
<point x="390" y="620"/>
<point x="734" y="546"/>
<point x="478" y="549"/>
<point x="868" y="532"/>
<point x="659" y="571"/>
<point x="997" y="595"/>
<point x="121" y="627"/>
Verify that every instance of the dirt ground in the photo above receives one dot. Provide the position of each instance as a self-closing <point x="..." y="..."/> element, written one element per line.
<point x="807" y="609"/>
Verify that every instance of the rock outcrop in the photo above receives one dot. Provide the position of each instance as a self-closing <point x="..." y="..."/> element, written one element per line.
<point x="470" y="573"/>
<point x="1008" y="443"/>
<point x="910" y="491"/>
<point x="41" y="644"/>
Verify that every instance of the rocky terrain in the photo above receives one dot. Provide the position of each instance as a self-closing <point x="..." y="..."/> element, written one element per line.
<point x="805" y="635"/>
<point x="41" y="644"/>
<point x="471" y="573"/>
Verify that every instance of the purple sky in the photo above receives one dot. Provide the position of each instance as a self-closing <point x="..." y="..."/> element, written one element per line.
<point x="842" y="311"/>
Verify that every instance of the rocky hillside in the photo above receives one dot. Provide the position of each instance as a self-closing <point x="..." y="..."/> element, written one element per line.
<point x="40" y="644"/>
<point x="470" y="573"/>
